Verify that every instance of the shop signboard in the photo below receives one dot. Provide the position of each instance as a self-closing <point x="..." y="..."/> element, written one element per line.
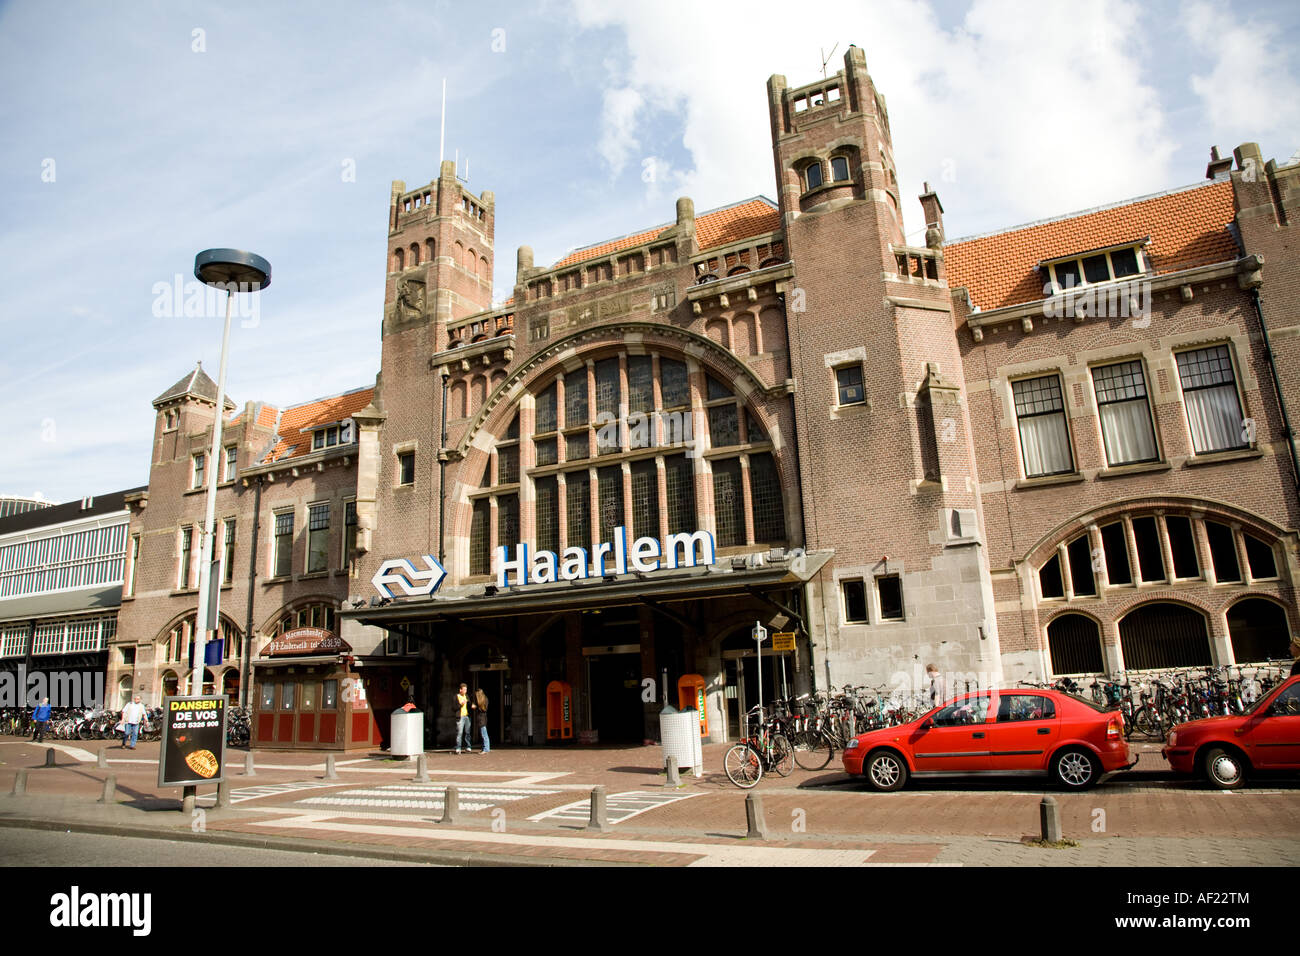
<point x="783" y="641"/>
<point x="193" y="741"/>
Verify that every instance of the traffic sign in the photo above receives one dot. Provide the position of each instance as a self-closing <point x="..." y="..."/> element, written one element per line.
<point x="783" y="641"/>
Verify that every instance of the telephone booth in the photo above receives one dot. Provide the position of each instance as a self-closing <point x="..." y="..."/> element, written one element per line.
<point x="559" y="711"/>
<point x="690" y="696"/>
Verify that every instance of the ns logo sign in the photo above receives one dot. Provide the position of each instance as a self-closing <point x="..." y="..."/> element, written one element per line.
<point x="412" y="581"/>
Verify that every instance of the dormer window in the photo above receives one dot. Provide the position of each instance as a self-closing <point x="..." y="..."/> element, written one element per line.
<point x="839" y="169"/>
<point x="340" y="434"/>
<point x="1105" y="265"/>
<point x="812" y="176"/>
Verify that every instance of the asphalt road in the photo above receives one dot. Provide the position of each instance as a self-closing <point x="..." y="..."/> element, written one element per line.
<point x="60" y="848"/>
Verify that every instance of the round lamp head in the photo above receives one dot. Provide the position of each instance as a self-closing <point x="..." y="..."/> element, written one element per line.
<point x="246" y="271"/>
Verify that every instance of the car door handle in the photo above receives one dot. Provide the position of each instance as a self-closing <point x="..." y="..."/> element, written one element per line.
<point x="978" y="736"/>
<point x="1044" y="730"/>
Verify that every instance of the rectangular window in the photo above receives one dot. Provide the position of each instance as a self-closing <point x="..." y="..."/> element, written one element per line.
<point x="135" y="564"/>
<point x="309" y="695"/>
<point x="479" y="545"/>
<point x="1183" y="547"/>
<point x="724" y="426"/>
<point x="609" y="488"/>
<point x="330" y="695"/>
<point x="1050" y="582"/>
<point x="187" y="544"/>
<point x="507" y="464"/>
<point x="544" y="412"/>
<point x="855" y="601"/>
<point x="1151" y="563"/>
<point x="406" y="468"/>
<point x="577" y="501"/>
<point x="889" y="588"/>
<point x="548" y="513"/>
<point x="674" y="389"/>
<point x="228" y="552"/>
<point x="547" y="450"/>
<point x="1210" y="394"/>
<point x="1040" y="418"/>
<point x="268" y="696"/>
<point x="679" y="476"/>
<point x="283" y="564"/>
<point x="848" y="383"/>
<point x="640" y="383"/>
<point x="232" y="455"/>
<point x="349" y="533"/>
<point x="607" y="387"/>
<point x="575" y="398"/>
<point x="200" y="461"/>
<point x="765" y="489"/>
<point x="1223" y="552"/>
<point x="318" y="538"/>
<point x="318" y="440"/>
<point x="508" y="521"/>
<point x="645" y="500"/>
<point x="288" y="694"/>
<point x="1125" y="415"/>
<point x="577" y="446"/>
<point x="1080" y="556"/>
<point x="729" y="503"/>
<point x="1115" y="546"/>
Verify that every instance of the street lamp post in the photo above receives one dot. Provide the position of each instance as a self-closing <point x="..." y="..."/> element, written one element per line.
<point x="234" y="271"/>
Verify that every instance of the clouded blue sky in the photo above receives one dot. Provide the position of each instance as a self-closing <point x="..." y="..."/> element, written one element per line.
<point x="133" y="135"/>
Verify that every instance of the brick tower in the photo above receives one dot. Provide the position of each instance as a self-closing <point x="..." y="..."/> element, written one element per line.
<point x="439" y="262"/>
<point x="884" y="438"/>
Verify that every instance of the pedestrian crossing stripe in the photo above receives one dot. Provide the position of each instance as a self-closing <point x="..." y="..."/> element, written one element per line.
<point x="618" y="806"/>
<point x="425" y="797"/>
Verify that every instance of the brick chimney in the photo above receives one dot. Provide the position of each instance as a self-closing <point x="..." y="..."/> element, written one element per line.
<point x="933" y="210"/>
<point x="1217" y="168"/>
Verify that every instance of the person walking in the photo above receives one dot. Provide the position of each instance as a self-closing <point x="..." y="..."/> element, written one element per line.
<point x="480" y="718"/>
<point x="936" y="693"/>
<point x="132" y="717"/>
<point x="1295" y="652"/>
<point x="41" y="720"/>
<point x="462" y="719"/>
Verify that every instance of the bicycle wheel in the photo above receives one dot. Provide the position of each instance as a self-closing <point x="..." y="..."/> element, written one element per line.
<point x="812" y="751"/>
<point x="782" y="755"/>
<point x="1147" y="723"/>
<point x="743" y="765"/>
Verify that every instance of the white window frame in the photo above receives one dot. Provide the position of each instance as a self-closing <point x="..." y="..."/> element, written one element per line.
<point x="229" y="463"/>
<point x="312" y="506"/>
<point x="1049" y="268"/>
<point x="1145" y="397"/>
<point x="198" y="470"/>
<point x="1065" y="417"/>
<point x="275" y="542"/>
<point x="1236" y="388"/>
<point x="862" y="384"/>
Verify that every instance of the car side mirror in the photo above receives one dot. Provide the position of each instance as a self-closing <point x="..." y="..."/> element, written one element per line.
<point x="927" y="723"/>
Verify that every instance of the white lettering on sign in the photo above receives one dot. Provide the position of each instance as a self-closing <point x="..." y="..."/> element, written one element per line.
<point x="684" y="550"/>
<point x="403" y="573"/>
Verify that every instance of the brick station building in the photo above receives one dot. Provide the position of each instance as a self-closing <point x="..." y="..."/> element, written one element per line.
<point x="1059" y="448"/>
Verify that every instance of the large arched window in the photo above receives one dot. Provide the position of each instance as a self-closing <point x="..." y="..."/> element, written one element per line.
<point x="1075" y="644"/>
<point x="1258" y="631"/>
<point x="643" y="442"/>
<point x="1162" y="634"/>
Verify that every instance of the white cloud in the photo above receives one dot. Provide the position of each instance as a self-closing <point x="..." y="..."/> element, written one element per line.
<point x="1250" y="91"/>
<point x="618" y="124"/>
<point x="1012" y="115"/>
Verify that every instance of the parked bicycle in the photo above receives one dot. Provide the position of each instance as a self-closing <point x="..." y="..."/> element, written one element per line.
<point x="766" y="750"/>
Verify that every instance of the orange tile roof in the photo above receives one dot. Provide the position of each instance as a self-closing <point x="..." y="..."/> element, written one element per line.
<point x="297" y="421"/>
<point x="717" y="227"/>
<point x="266" y="416"/>
<point x="1188" y="227"/>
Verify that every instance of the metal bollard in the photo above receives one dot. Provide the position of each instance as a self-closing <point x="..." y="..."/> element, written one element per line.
<point x="248" y="765"/>
<point x="49" y="757"/>
<point x="1049" y="818"/>
<point x="451" y="806"/>
<point x="20" y="784"/>
<point x="330" y="772"/>
<point x="110" y="789"/>
<point x="754" y="817"/>
<point x="188" y="796"/>
<point x="599" y="820"/>
<point x="223" y="795"/>
<point x="101" y="762"/>
<point x="674" y="777"/>
<point x="421" y="769"/>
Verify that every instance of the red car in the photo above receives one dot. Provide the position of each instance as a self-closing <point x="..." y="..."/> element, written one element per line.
<point x="997" y="731"/>
<point x="1227" y="749"/>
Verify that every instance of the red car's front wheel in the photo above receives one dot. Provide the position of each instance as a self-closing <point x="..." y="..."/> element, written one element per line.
<point x="885" y="770"/>
<point x="1224" y="768"/>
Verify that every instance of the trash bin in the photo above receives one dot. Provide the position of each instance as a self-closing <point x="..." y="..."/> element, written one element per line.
<point x="679" y="731"/>
<point x="407" y="733"/>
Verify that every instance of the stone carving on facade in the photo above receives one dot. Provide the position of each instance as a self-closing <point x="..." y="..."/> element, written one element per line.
<point x="409" y="303"/>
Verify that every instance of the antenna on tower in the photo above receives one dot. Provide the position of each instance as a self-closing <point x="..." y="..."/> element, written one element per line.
<point x="442" y="133"/>
<point x="826" y="58"/>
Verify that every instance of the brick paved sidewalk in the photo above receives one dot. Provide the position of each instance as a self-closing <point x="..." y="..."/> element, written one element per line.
<point x="529" y="805"/>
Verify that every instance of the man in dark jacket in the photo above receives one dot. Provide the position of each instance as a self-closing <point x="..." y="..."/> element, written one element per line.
<point x="41" y="720"/>
<point x="1295" y="652"/>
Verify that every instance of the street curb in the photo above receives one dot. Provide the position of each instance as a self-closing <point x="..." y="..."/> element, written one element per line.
<point x="298" y="845"/>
